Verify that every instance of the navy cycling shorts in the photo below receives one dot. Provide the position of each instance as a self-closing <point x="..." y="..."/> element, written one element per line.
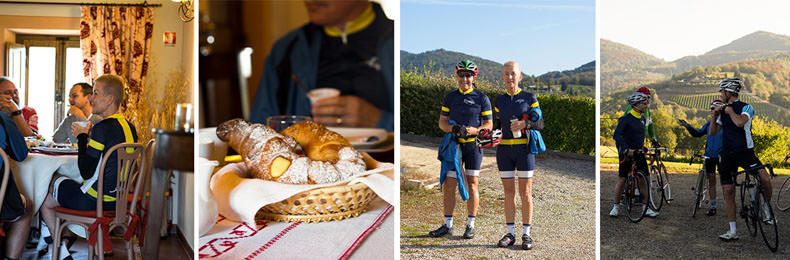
<point x="625" y="168"/>
<point x="472" y="157"/>
<point x="67" y="192"/>
<point x="710" y="166"/>
<point x="729" y="163"/>
<point x="514" y="160"/>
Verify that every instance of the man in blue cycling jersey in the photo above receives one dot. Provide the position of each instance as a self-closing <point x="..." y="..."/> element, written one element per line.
<point x="470" y="109"/>
<point x="629" y="135"/>
<point x="712" y="149"/>
<point x="734" y="120"/>
<point x="516" y="110"/>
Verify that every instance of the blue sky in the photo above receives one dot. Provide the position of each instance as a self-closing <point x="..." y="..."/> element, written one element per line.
<point x="671" y="29"/>
<point x="542" y="36"/>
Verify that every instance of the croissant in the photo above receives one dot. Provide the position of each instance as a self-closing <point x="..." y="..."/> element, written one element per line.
<point x="272" y="156"/>
<point x="318" y="142"/>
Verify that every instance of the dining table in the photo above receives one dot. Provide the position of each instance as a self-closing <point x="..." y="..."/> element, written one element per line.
<point x="34" y="174"/>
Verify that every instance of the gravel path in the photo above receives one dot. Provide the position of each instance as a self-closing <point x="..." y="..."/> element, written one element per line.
<point x="564" y="206"/>
<point x="675" y="234"/>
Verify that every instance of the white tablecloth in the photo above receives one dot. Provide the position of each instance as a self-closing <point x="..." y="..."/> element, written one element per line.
<point x="34" y="174"/>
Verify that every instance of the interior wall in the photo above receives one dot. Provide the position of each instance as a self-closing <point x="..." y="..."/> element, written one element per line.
<point x="8" y="22"/>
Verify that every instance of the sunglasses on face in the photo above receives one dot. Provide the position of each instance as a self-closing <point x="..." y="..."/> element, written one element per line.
<point x="465" y="74"/>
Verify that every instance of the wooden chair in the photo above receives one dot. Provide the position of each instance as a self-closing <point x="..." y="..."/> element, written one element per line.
<point x="142" y="179"/>
<point x="98" y="222"/>
<point x="4" y="184"/>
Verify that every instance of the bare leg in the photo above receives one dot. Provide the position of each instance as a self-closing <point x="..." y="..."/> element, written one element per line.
<point x="618" y="189"/>
<point x="712" y="186"/>
<point x="765" y="181"/>
<point x="448" y="189"/>
<point x="525" y="190"/>
<point x="474" y="196"/>
<point x="17" y="235"/>
<point x="47" y="209"/>
<point x="729" y="201"/>
<point x="510" y="199"/>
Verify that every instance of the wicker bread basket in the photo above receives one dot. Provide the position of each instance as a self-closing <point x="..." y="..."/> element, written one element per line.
<point x="323" y="204"/>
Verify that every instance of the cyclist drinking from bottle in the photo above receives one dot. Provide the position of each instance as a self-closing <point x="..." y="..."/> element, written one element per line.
<point x="470" y="111"/>
<point x="629" y="135"/>
<point x="734" y="120"/>
<point x="712" y="149"/>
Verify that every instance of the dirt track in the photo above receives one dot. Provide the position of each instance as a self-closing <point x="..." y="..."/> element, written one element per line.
<point x="563" y="222"/>
<point x="675" y="234"/>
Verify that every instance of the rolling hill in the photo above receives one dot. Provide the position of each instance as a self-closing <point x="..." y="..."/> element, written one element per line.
<point x="624" y="67"/>
<point x="577" y="81"/>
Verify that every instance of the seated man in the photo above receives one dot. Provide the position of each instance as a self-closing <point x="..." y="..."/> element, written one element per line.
<point x="114" y="129"/>
<point x="9" y="103"/>
<point x="348" y="46"/>
<point x="80" y="110"/>
<point x="16" y="211"/>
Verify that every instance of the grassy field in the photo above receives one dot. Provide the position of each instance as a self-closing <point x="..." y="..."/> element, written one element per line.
<point x="609" y="156"/>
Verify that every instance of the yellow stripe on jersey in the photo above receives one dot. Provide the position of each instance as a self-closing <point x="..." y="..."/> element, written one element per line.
<point x="513" y="141"/>
<point x="485" y="113"/>
<point x="445" y="109"/>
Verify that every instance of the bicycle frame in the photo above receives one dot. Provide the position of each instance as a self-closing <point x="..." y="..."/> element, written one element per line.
<point x="699" y="188"/>
<point x="629" y="192"/>
<point x="755" y="190"/>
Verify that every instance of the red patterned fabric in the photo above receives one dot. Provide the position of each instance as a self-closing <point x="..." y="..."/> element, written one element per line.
<point x="117" y="40"/>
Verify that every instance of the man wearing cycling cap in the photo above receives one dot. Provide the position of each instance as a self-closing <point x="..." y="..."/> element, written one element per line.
<point x="734" y="120"/>
<point x="712" y="149"/>
<point x="629" y="135"/>
<point x="464" y="112"/>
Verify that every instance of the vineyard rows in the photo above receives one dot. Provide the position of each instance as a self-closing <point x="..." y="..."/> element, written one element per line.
<point x="702" y="101"/>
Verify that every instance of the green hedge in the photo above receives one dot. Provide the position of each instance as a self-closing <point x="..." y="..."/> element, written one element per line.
<point x="570" y="121"/>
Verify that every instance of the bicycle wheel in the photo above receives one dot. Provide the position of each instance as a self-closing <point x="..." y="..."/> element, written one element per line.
<point x="636" y="208"/>
<point x="656" y="194"/>
<point x="747" y="211"/>
<point x="665" y="183"/>
<point x="699" y="193"/>
<point x="766" y="221"/>
<point x="783" y="198"/>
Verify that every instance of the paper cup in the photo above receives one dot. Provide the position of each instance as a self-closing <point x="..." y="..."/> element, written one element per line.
<point x="81" y="123"/>
<point x="220" y="148"/>
<point x="321" y="93"/>
<point x="206" y="148"/>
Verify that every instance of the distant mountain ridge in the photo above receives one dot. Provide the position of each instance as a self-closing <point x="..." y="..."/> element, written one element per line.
<point x="625" y="67"/>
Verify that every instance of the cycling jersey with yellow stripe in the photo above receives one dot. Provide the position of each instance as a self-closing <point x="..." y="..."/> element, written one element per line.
<point x="467" y="108"/>
<point x="508" y="106"/>
<point x="109" y="132"/>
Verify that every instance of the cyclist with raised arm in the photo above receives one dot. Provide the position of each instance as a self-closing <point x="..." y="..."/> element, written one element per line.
<point x="734" y="120"/>
<point x="629" y="135"/>
<point x="650" y="131"/>
<point x="712" y="149"/>
<point x="464" y="112"/>
<point x="520" y="118"/>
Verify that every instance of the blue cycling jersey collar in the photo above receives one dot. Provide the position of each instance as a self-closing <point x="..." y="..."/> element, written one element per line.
<point x="518" y="90"/>
<point x="467" y="91"/>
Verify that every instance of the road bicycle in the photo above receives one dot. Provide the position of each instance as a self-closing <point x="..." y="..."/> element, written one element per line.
<point x="659" y="180"/>
<point x="756" y="206"/>
<point x="783" y="197"/>
<point x="701" y="186"/>
<point x="633" y="197"/>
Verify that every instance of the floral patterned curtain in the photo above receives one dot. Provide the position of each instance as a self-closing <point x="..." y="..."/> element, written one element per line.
<point x="117" y="40"/>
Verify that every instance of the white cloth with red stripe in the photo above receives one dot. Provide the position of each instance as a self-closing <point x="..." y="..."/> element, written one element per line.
<point x="240" y="197"/>
<point x="280" y="240"/>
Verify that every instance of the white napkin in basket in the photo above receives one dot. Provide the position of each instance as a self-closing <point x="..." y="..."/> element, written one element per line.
<point x="239" y="197"/>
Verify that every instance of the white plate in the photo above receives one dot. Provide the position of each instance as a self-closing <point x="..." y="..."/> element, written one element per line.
<point x="358" y="136"/>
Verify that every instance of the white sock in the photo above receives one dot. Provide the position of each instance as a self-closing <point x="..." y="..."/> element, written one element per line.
<point x="616" y="206"/>
<point x="64" y="252"/>
<point x="44" y="230"/>
<point x="448" y="221"/>
<point x="470" y="221"/>
<point x="732" y="226"/>
<point x="526" y="229"/>
<point x="511" y="228"/>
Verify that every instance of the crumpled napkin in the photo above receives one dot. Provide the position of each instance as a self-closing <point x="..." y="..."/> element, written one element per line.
<point x="239" y="196"/>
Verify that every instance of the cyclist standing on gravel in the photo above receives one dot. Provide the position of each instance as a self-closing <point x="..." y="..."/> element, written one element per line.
<point x="464" y="112"/>
<point x="629" y="135"/>
<point x="712" y="149"/>
<point x="520" y="117"/>
<point x="735" y="123"/>
<point x="650" y="131"/>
